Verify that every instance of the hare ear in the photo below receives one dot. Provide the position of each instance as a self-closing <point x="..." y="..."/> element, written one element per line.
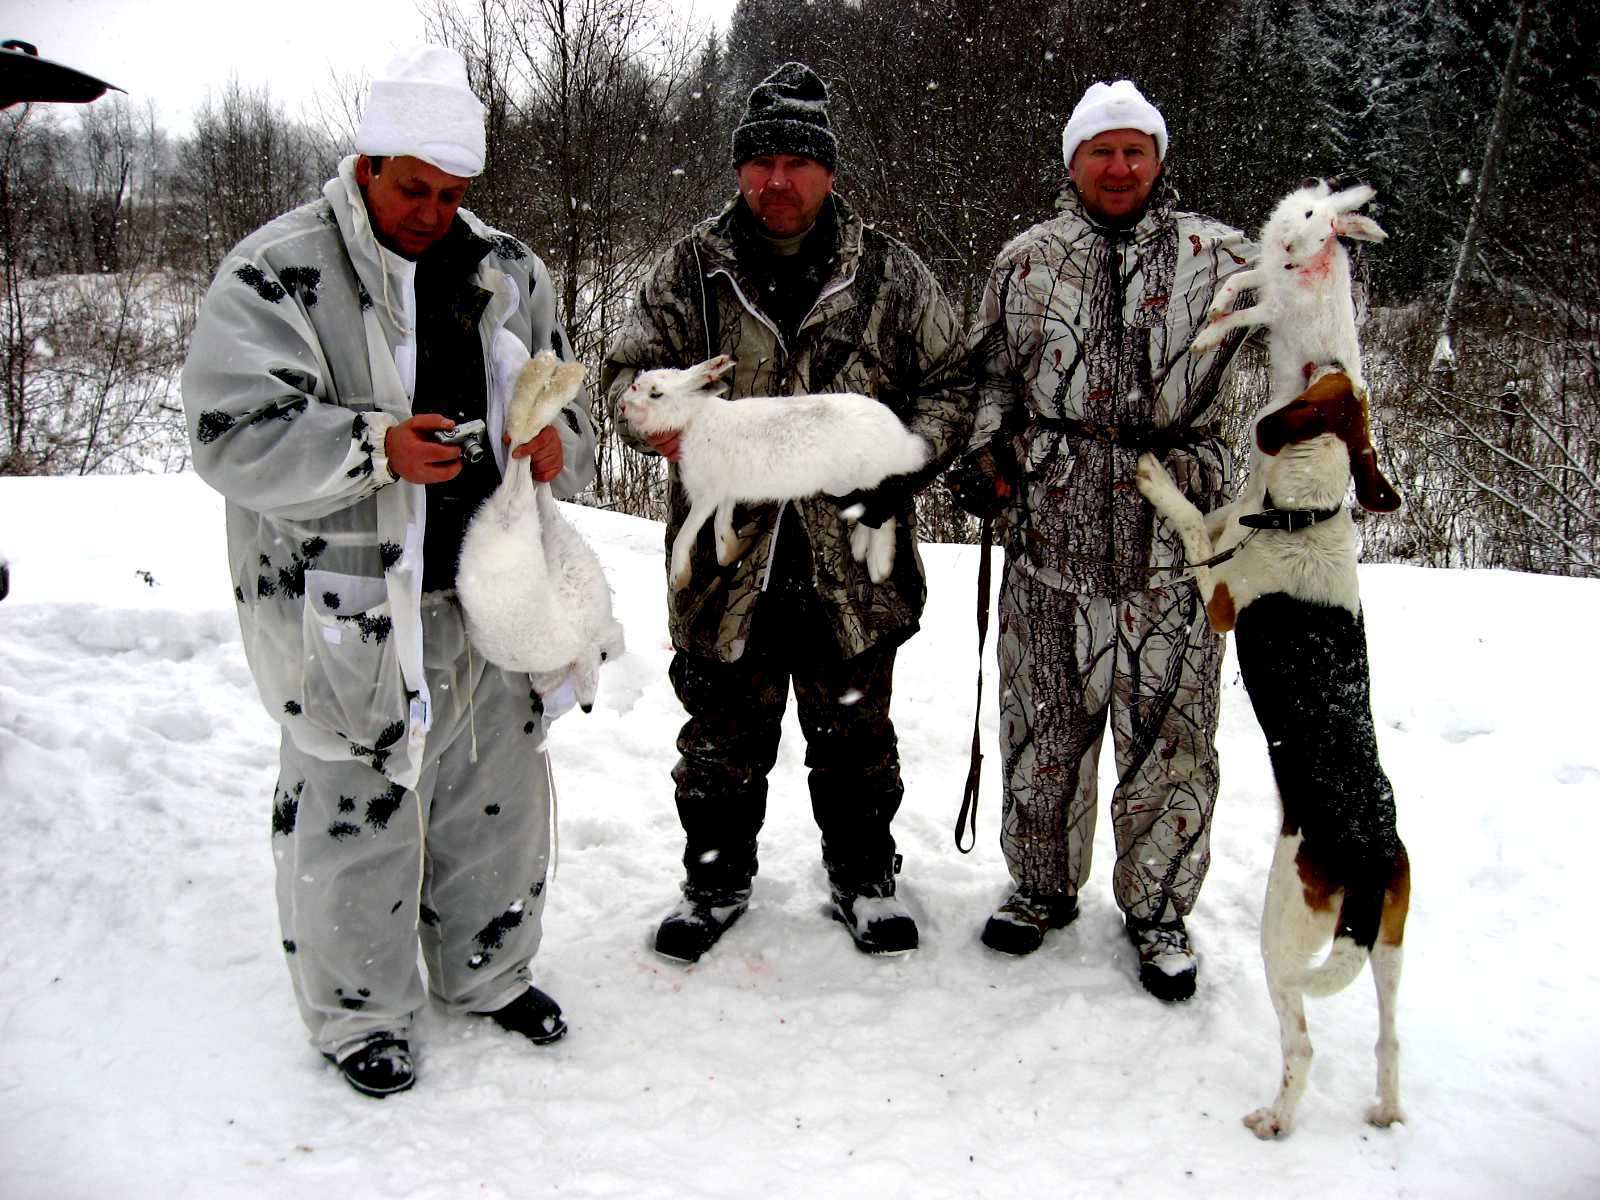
<point x="713" y="370"/>
<point x="1351" y="198"/>
<point x="1362" y="229"/>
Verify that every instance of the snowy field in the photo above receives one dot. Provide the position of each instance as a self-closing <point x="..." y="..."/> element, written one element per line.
<point x="150" y="1048"/>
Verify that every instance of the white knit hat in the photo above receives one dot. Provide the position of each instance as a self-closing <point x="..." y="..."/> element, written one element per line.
<point x="1107" y="106"/>
<point x="421" y="106"/>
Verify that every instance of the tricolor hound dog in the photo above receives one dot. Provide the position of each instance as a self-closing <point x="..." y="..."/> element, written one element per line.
<point x="1288" y="592"/>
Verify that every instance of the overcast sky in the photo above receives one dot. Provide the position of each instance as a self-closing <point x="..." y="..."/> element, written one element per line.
<point x="170" y="51"/>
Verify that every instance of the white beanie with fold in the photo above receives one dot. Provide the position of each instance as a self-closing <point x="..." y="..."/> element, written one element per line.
<point x="1107" y="106"/>
<point x="421" y="106"/>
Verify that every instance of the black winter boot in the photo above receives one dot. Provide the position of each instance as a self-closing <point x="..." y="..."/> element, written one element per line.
<point x="379" y="1067"/>
<point x="1167" y="964"/>
<point x="877" y="924"/>
<point x="534" y="1015"/>
<point x="1018" y="926"/>
<point x="699" y="920"/>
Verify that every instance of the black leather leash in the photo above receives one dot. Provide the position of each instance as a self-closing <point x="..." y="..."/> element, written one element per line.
<point x="967" y="818"/>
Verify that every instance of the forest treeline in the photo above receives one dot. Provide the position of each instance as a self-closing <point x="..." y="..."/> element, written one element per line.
<point x="609" y="127"/>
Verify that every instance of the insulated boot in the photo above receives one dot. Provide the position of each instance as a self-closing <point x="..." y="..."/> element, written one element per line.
<point x="1018" y="926"/>
<point x="877" y="924"/>
<point x="699" y="920"/>
<point x="1167" y="963"/>
<point x="534" y="1015"/>
<point x="378" y="1067"/>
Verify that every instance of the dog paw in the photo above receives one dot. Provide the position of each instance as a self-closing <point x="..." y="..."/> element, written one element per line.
<point x="1267" y="1124"/>
<point x="1384" y="1114"/>
<point x="1151" y="476"/>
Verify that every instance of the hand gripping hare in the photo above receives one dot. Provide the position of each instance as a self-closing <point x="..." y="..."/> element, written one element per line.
<point x="533" y="592"/>
<point x="1286" y="586"/>
<point x="770" y="448"/>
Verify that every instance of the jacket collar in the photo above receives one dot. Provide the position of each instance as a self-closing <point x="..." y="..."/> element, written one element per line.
<point x="716" y="238"/>
<point x="1157" y="215"/>
<point x="387" y="277"/>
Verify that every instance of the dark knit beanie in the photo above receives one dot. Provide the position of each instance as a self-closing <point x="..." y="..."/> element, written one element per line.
<point x="787" y="113"/>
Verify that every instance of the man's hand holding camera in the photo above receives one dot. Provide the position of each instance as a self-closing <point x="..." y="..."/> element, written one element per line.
<point x="429" y="448"/>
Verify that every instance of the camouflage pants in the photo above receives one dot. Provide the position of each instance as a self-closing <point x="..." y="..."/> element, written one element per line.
<point x="1152" y="663"/>
<point x="367" y="869"/>
<point x="730" y="743"/>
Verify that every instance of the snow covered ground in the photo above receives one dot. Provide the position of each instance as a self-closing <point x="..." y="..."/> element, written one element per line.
<point x="149" y="1045"/>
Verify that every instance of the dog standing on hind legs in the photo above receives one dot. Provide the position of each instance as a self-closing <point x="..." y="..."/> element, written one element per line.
<point x="1288" y="591"/>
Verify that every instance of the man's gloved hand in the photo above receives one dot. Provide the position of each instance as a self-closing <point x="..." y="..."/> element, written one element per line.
<point x="880" y="503"/>
<point x="982" y="483"/>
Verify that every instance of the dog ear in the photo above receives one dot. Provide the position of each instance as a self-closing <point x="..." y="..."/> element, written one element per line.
<point x="1348" y="417"/>
<point x="1374" y="492"/>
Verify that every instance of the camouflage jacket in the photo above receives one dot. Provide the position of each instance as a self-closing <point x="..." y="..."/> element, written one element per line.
<point x="881" y="326"/>
<point x="303" y="358"/>
<point x="1081" y="352"/>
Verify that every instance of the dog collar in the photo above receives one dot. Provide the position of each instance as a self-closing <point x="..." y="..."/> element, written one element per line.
<point x="1288" y="519"/>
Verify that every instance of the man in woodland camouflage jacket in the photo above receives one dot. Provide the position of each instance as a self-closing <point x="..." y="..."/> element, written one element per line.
<point x="790" y="283"/>
<point x="1081" y="351"/>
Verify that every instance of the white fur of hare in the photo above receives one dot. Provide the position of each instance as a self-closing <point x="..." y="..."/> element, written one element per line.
<point x="1302" y="288"/>
<point x="533" y="592"/>
<point x="770" y="448"/>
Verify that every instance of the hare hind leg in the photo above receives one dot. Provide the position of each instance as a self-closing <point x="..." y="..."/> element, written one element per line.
<point x="729" y="544"/>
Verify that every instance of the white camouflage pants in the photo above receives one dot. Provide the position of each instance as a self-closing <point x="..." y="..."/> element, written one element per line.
<point x="1151" y="662"/>
<point x="366" y="868"/>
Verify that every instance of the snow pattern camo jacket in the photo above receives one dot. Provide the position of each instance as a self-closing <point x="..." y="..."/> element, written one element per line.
<point x="303" y="357"/>
<point x="882" y="327"/>
<point x="1081" y="352"/>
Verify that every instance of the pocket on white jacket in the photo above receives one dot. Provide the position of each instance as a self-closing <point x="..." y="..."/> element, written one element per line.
<point x="351" y="679"/>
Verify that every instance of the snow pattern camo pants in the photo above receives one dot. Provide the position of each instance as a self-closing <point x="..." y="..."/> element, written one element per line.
<point x="366" y="867"/>
<point x="1152" y="662"/>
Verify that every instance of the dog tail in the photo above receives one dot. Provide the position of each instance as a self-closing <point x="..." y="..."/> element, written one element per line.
<point x="1339" y="969"/>
<point x="1360" y="912"/>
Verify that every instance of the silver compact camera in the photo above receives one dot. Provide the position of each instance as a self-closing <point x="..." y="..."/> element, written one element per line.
<point x="470" y="436"/>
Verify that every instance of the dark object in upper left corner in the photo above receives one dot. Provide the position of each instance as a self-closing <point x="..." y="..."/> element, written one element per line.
<point x="26" y="78"/>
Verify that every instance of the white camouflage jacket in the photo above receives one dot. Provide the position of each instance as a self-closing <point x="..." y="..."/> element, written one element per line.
<point x="1081" y="352"/>
<point x="302" y="359"/>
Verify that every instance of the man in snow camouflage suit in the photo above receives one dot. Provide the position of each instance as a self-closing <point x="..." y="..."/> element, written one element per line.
<point x="1081" y="351"/>
<point x="790" y="283"/>
<point x="413" y="793"/>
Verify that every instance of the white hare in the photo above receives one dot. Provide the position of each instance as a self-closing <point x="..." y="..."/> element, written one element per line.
<point x="1303" y="298"/>
<point x="1302" y="288"/>
<point x="533" y="592"/>
<point x="771" y="448"/>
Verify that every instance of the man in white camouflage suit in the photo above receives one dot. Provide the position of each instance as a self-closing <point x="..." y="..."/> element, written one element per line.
<point x="413" y="797"/>
<point x="1081" y="350"/>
